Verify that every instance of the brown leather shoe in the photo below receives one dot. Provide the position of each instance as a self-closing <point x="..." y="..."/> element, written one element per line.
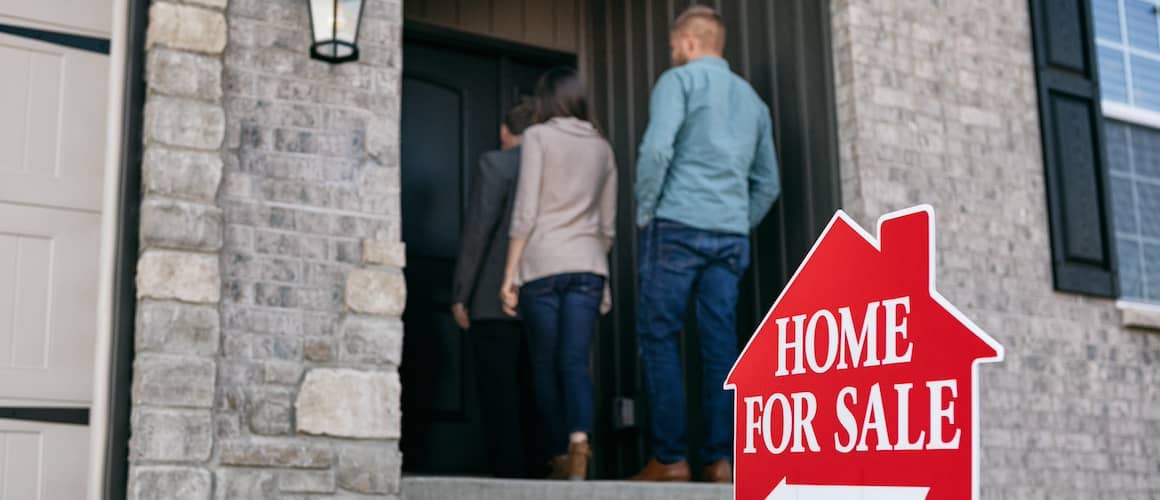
<point x="720" y="471"/>
<point x="656" y="471"/>
<point x="578" y="454"/>
<point x="559" y="467"/>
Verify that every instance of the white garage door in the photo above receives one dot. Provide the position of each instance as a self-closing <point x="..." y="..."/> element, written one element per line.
<point x="53" y="93"/>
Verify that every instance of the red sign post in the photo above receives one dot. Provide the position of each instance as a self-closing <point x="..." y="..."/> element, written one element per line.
<point x="861" y="382"/>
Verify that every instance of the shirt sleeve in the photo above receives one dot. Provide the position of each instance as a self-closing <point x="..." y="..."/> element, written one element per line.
<point x="608" y="202"/>
<point x="527" y="202"/>
<point x="485" y="204"/>
<point x="666" y="116"/>
<point x="764" y="184"/>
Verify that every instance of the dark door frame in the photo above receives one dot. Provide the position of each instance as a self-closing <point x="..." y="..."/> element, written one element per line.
<point x="512" y="59"/>
<point x="506" y="51"/>
<point x="122" y="331"/>
<point x="461" y="40"/>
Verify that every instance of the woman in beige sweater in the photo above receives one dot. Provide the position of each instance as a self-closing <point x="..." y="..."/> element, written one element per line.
<point x="557" y="268"/>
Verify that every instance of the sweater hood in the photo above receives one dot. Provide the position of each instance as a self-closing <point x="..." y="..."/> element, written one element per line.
<point x="573" y="126"/>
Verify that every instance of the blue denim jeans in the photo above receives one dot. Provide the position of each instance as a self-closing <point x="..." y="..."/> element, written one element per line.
<point x="560" y="313"/>
<point x="679" y="263"/>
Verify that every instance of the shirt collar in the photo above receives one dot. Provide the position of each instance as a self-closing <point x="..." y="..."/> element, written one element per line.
<point x="712" y="61"/>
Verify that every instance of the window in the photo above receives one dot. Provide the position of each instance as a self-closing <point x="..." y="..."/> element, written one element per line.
<point x="1128" y="48"/>
<point x="1128" y="52"/>
<point x="1134" y="164"/>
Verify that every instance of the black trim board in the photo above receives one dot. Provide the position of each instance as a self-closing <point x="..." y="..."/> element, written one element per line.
<point x="79" y="42"/>
<point x="116" y="473"/>
<point x="50" y="415"/>
<point x="472" y="42"/>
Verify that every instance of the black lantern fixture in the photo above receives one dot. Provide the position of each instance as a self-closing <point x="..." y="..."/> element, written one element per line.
<point x="334" y="24"/>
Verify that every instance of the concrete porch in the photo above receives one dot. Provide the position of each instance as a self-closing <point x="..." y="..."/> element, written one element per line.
<point x="469" y="488"/>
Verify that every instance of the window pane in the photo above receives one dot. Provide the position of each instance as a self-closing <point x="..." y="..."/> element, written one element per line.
<point x="1146" y="83"/>
<point x="1128" y="253"/>
<point x="348" y="18"/>
<point x="1145" y="152"/>
<point x="1148" y="205"/>
<point x="1123" y="205"/>
<point x="1113" y="78"/>
<point x="1141" y="20"/>
<point x="1133" y="154"/>
<point x="1107" y="19"/>
<point x="1150" y="276"/>
<point x="322" y="17"/>
<point x="1116" y="144"/>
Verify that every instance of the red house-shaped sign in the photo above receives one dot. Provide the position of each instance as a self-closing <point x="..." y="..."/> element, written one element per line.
<point x="862" y="381"/>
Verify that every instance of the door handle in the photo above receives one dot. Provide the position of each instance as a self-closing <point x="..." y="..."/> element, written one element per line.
<point x="623" y="413"/>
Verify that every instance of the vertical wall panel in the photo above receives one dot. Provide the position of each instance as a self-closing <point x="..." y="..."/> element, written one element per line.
<point x="734" y="44"/>
<point x="476" y="15"/>
<point x="566" y="26"/>
<point x="657" y="52"/>
<point x="541" y="28"/>
<point x="507" y="19"/>
<point x="443" y="12"/>
<point x="550" y="24"/>
<point x="414" y="9"/>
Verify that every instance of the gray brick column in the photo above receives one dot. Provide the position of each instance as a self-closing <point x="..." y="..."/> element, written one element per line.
<point x="936" y="103"/>
<point x="270" y="281"/>
<point x="178" y="273"/>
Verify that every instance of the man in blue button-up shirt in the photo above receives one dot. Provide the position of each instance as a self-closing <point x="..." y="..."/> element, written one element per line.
<point x="705" y="175"/>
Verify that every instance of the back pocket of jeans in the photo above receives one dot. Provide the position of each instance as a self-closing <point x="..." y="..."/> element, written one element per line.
<point x="589" y="284"/>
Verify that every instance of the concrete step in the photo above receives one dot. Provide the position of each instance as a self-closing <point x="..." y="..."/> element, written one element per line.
<point x="468" y="488"/>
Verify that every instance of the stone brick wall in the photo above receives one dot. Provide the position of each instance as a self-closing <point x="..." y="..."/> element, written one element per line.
<point x="936" y="104"/>
<point x="270" y="284"/>
<point x="178" y="275"/>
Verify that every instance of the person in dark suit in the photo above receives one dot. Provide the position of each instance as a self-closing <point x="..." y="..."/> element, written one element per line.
<point x="496" y="338"/>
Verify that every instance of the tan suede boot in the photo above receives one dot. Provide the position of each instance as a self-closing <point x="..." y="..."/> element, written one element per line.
<point x="578" y="454"/>
<point x="559" y="467"/>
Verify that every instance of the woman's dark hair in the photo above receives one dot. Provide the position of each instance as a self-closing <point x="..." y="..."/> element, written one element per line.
<point x="520" y="117"/>
<point x="561" y="92"/>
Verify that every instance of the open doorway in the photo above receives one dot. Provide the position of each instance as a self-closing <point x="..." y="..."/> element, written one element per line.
<point x="782" y="48"/>
<point x="455" y="91"/>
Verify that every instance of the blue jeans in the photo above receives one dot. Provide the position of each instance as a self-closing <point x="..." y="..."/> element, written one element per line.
<point x="679" y="263"/>
<point x="560" y="313"/>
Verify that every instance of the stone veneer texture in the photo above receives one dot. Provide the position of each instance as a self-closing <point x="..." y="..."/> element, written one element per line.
<point x="270" y="280"/>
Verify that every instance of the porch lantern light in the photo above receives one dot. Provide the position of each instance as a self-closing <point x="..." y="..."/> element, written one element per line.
<point x="334" y="24"/>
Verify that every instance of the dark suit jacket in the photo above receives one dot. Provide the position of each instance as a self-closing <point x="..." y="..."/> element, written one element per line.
<point x="484" y="242"/>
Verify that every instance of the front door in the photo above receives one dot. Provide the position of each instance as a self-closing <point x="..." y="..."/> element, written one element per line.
<point x="453" y="104"/>
<point x="53" y="99"/>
